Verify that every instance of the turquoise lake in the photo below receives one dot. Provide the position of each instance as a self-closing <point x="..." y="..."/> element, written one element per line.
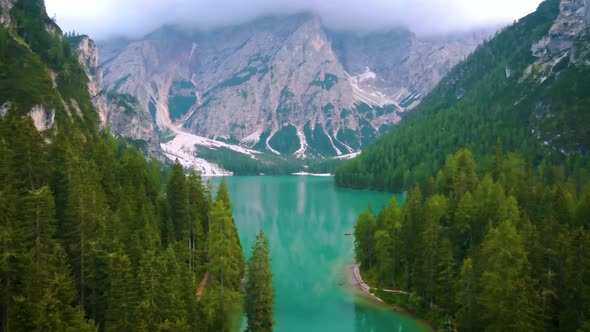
<point x="305" y="219"/>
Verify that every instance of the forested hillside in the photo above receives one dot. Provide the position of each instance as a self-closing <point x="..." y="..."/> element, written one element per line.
<point x="522" y="89"/>
<point x="497" y="240"/>
<point x="501" y="252"/>
<point x="93" y="237"/>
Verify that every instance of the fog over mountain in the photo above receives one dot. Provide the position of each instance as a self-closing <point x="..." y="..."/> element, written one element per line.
<point x="133" y="18"/>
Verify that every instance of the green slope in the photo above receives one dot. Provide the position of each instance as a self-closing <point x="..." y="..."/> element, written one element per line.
<point x="33" y="50"/>
<point x="478" y="105"/>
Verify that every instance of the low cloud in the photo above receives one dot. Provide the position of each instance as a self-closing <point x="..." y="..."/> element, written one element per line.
<point x="133" y="18"/>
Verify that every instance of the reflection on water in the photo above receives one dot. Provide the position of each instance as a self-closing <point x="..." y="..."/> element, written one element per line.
<point x="305" y="220"/>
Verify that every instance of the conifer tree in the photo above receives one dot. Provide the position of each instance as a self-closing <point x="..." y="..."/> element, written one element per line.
<point x="224" y="265"/>
<point x="121" y="315"/>
<point x="575" y="292"/>
<point x="259" y="297"/>
<point x="178" y="200"/>
<point x="411" y="227"/>
<point x="506" y="297"/>
<point x="435" y="211"/>
<point x="393" y="228"/>
<point x="364" y="242"/>
<point x="383" y="259"/>
<point x="466" y="300"/>
<point x="223" y="196"/>
<point x="198" y="210"/>
<point x="47" y="291"/>
<point x="84" y="221"/>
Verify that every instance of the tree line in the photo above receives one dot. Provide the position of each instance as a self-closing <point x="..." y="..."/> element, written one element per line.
<point x="506" y="251"/>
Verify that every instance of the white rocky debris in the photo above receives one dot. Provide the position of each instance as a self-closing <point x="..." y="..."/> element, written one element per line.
<point x="210" y="143"/>
<point x="182" y="147"/>
<point x="42" y="119"/>
<point x="252" y="138"/>
<point x="366" y="94"/>
<point x="300" y="153"/>
<point x="268" y="144"/>
<point x="348" y="156"/>
<point x="338" y="152"/>
<point x="311" y="174"/>
<point x="5" y="108"/>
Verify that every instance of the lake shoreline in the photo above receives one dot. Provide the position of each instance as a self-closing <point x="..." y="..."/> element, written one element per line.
<point x="305" y="218"/>
<point x="361" y="289"/>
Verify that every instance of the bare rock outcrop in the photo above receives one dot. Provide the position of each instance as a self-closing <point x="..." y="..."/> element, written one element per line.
<point x="121" y="114"/>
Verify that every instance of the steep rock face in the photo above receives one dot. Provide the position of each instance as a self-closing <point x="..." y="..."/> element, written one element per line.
<point x="88" y="56"/>
<point x="122" y="114"/>
<point x="405" y="67"/>
<point x="272" y="90"/>
<point x="564" y="51"/>
<point x="5" y="7"/>
<point x="568" y="25"/>
<point x="283" y="84"/>
<point x="42" y="119"/>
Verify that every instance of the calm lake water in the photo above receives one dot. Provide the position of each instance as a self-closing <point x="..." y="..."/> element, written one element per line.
<point x="305" y="219"/>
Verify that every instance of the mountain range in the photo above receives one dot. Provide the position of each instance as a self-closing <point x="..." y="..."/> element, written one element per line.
<point x="282" y="85"/>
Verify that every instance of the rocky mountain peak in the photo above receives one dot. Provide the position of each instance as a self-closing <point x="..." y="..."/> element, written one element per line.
<point x="283" y="84"/>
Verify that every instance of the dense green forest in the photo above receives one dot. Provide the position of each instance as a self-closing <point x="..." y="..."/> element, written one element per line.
<point x="94" y="237"/>
<point x="265" y="163"/>
<point x="501" y="252"/>
<point x="90" y="240"/>
<point x="497" y="240"/>
<point x="490" y="97"/>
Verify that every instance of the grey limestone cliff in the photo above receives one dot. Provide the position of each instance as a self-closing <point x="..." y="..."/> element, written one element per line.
<point x="284" y="84"/>
<point x="121" y="114"/>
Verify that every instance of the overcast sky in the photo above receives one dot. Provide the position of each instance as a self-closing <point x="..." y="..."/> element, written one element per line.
<point x="106" y="18"/>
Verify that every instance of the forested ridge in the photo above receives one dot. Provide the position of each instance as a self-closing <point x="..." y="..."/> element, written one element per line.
<point x="493" y="234"/>
<point x="505" y="251"/>
<point x="94" y="237"/>
<point x="499" y="93"/>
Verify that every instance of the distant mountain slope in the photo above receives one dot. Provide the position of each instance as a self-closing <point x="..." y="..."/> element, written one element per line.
<point x="283" y="84"/>
<point x="527" y="88"/>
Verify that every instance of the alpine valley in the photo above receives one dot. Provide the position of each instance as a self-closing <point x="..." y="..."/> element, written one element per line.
<point x="281" y="90"/>
<point x="488" y="231"/>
